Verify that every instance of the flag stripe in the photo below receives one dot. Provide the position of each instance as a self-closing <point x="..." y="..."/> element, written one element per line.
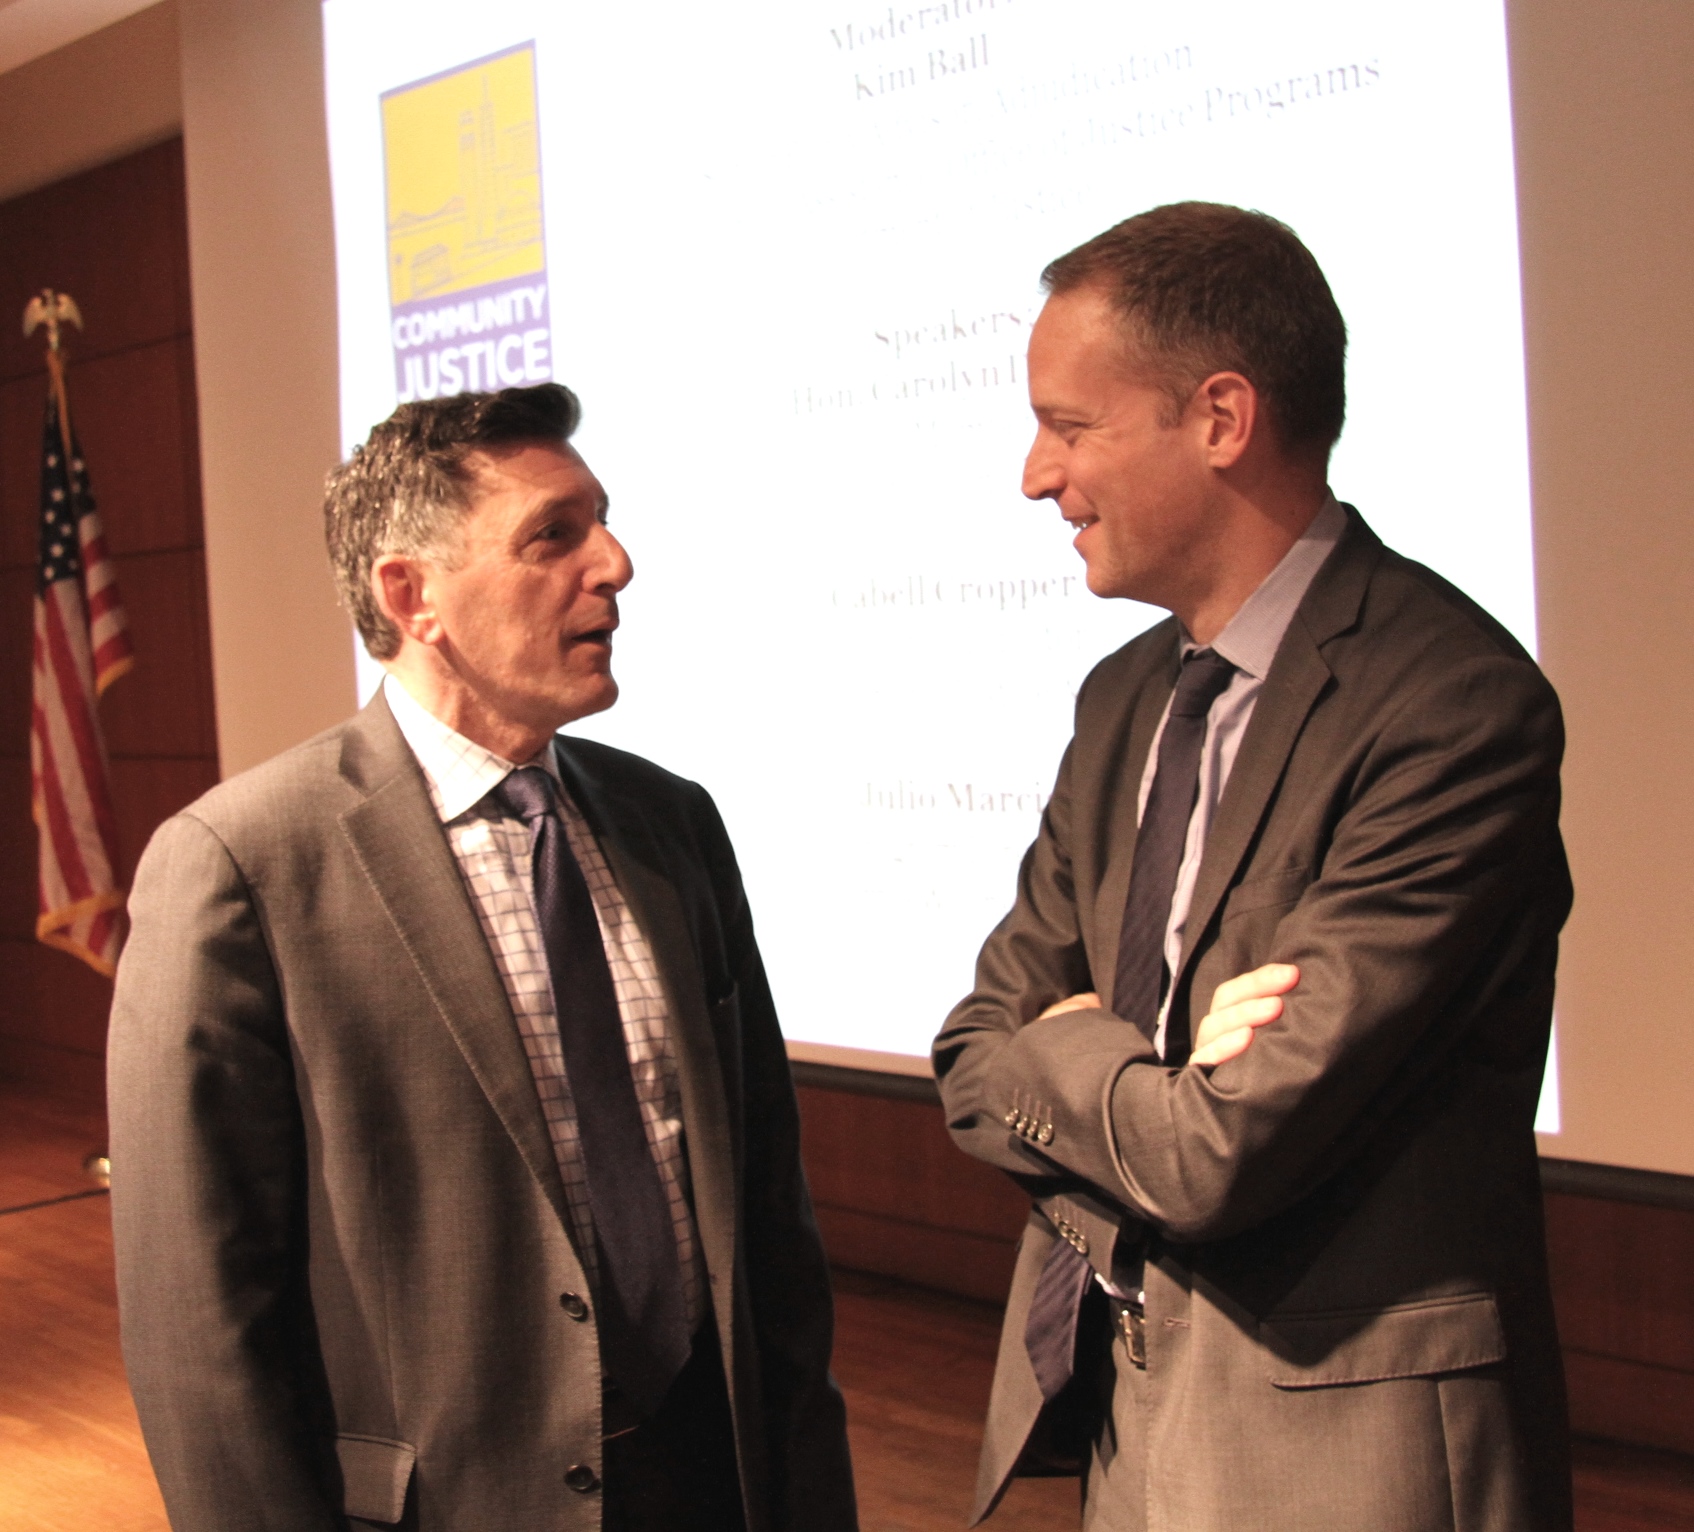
<point x="82" y="644"/>
<point x="64" y="879"/>
<point x="73" y="671"/>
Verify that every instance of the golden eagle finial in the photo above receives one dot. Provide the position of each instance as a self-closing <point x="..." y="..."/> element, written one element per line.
<point x="51" y="309"/>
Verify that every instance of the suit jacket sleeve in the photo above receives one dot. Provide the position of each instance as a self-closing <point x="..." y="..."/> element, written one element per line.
<point x="208" y="1208"/>
<point x="1034" y="957"/>
<point x="1404" y="937"/>
<point x="787" y="1272"/>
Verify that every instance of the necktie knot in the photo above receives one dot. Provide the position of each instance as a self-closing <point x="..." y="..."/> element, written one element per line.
<point x="1205" y="673"/>
<point x="526" y="794"/>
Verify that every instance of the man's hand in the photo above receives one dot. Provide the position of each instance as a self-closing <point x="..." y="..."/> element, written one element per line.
<point x="1238" y="1006"/>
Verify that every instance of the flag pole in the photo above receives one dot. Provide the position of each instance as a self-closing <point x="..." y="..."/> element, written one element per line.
<point x="82" y="646"/>
<point x="53" y="309"/>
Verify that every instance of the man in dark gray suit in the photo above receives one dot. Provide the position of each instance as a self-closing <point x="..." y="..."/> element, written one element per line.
<point x="457" y="1178"/>
<point x="1288" y="1278"/>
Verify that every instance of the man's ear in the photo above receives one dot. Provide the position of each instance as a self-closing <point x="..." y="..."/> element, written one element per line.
<point x="402" y="589"/>
<point x="1229" y="406"/>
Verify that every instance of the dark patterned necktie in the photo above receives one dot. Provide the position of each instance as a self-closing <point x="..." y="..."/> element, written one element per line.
<point x="1140" y="980"/>
<point x="642" y="1324"/>
<point x="1050" y="1332"/>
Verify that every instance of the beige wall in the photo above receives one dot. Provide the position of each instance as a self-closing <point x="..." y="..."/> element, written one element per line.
<point x="97" y="99"/>
<point x="262" y="262"/>
<point x="1604" y="97"/>
<point x="1605" y="136"/>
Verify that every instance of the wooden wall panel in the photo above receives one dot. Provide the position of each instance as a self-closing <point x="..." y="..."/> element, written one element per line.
<point x="1624" y="1279"/>
<point x="17" y="638"/>
<point x="54" y="1030"/>
<point x="1622" y="1401"/>
<point x="17" y="856"/>
<point x="1622" y="1286"/>
<point x="164" y="708"/>
<point x="115" y="239"/>
<point x="895" y="1197"/>
<point x="20" y="464"/>
<point x="133" y="412"/>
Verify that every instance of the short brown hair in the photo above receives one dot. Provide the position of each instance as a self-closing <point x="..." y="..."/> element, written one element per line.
<point x="406" y="488"/>
<point x="1207" y="288"/>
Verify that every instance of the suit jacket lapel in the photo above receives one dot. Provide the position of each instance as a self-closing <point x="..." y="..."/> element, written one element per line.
<point x="397" y="840"/>
<point x="1297" y="679"/>
<point x="637" y="862"/>
<point x="1118" y="828"/>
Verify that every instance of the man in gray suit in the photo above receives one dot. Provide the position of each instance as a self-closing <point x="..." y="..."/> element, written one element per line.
<point x="1287" y="1278"/>
<point x="457" y="1177"/>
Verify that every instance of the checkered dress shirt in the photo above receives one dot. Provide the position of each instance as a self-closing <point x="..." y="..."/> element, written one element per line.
<point x="493" y="853"/>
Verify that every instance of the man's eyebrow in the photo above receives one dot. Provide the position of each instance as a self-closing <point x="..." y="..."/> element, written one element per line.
<point x="558" y="503"/>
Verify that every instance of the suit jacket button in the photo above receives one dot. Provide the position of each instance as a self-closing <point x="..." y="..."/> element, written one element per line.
<point x="1045" y="1135"/>
<point x="1012" y="1115"/>
<point x="573" y="1305"/>
<point x="582" y="1478"/>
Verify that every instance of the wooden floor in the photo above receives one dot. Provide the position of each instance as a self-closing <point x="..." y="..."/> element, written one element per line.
<point x="70" y="1449"/>
<point x="915" y="1367"/>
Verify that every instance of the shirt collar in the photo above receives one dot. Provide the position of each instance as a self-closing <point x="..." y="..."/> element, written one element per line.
<point x="1251" y="637"/>
<point x="459" y="772"/>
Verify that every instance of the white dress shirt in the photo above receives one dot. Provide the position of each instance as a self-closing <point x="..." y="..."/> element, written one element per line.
<point x="1249" y="642"/>
<point x="493" y="853"/>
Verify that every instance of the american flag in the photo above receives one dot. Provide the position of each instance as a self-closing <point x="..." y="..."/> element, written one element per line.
<point x="82" y="645"/>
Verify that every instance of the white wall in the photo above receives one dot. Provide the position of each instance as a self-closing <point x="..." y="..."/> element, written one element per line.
<point x="1604" y="103"/>
<point x="262" y="263"/>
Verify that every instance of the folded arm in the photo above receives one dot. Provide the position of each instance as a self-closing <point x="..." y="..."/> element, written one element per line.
<point x="1411" y="924"/>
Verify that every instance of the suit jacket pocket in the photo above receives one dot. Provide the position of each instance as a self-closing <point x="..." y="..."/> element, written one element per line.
<point x="375" y="1473"/>
<point x="1409" y="1340"/>
<point x="1277" y="888"/>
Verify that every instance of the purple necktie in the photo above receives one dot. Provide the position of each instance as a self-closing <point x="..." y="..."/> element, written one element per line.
<point x="642" y="1324"/>
<point x="1050" y="1333"/>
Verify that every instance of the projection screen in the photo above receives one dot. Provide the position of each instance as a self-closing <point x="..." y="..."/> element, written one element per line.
<point x="788" y="255"/>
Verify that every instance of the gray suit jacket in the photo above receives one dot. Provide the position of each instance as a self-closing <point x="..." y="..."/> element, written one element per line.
<point x="1348" y="1321"/>
<point x="341" y="1233"/>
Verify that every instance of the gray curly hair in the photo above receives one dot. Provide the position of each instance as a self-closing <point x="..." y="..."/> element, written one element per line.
<point x="406" y="489"/>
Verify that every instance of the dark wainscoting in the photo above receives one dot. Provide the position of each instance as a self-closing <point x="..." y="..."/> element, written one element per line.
<point x="895" y="1198"/>
<point x="115" y="239"/>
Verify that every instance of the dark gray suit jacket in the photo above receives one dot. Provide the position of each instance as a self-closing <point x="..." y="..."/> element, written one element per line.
<point x="341" y="1233"/>
<point x="1348" y="1320"/>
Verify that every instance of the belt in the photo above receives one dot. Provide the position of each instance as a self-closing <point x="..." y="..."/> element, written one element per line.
<point x="1130" y="1320"/>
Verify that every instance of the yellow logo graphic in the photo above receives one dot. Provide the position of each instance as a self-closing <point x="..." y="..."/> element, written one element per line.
<point x="464" y="179"/>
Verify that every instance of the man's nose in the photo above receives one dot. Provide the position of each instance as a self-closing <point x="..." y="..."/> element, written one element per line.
<point x="1043" y="475"/>
<point x="611" y="564"/>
